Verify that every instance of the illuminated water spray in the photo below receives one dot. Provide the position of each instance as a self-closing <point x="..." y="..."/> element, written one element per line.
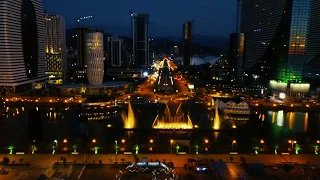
<point x="178" y="120"/>
<point x="129" y="118"/>
<point x="216" y="122"/>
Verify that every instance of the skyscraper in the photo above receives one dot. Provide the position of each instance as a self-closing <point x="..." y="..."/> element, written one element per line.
<point x="236" y="53"/>
<point x="95" y="57"/>
<point x="236" y="58"/>
<point x="186" y="43"/>
<point x="56" y="46"/>
<point x="22" y="47"/>
<point x="282" y="37"/>
<point x="115" y="52"/>
<point x="81" y="47"/>
<point x="140" y="35"/>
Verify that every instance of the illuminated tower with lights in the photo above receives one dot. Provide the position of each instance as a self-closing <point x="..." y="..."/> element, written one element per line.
<point x="282" y="38"/>
<point x="55" y="46"/>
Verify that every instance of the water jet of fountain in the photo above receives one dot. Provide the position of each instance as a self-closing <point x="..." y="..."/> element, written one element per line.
<point x="216" y="123"/>
<point x="129" y="119"/>
<point x="177" y="121"/>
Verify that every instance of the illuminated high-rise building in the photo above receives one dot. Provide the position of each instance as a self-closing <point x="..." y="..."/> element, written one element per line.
<point x="282" y="37"/>
<point x="95" y="57"/>
<point x="22" y="47"/>
<point x="140" y="35"/>
<point x="186" y="43"/>
<point x="56" y="47"/>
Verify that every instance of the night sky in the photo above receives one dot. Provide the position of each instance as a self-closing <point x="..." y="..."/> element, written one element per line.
<point x="166" y="16"/>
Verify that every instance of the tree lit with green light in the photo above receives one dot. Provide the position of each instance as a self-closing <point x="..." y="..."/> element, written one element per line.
<point x="11" y="148"/>
<point x="316" y="148"/>
<point x="276" y="147"/>
<point x="197" y="148"/>
<point x="297" y="148"/>
<point x="96" y="148"/>
<point x="177" y="149"/>
<point x="136" y="149"/>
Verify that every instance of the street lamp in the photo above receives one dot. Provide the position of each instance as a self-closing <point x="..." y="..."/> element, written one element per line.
<point x="292" y="142"/>
<point x="116" y="142"/>
<point x="233" y="142"/>
<point x="123" y="140"/>
<point x="171" y="141"/>
<point x="56" y="141"/>
<point x="94" y="140"/>
<point x="206" y="141"/>
<point x="261" y="141"/>
<point x="151" y="141"/>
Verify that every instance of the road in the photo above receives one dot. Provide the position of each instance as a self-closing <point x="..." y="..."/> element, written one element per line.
<point x="44" y="160"/>
<point x="146" y="89"/>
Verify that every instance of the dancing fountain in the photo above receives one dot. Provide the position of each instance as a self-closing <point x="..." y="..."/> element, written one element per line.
<point x="128" y="118"/>
<point x="216" y="122"/>
<point x="177" y="121"/>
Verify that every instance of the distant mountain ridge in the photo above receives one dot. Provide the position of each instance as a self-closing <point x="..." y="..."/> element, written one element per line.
<point x="221" y="43"/>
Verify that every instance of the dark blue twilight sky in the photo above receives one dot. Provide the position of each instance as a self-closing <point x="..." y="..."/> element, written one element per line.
<point x="166" y="16"/>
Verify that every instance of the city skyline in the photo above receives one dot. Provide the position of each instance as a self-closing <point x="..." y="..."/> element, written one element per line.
<point x="220" y="16"/>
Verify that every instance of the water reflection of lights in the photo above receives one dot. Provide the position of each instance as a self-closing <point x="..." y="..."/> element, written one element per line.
<point x="280" y="118"/>
<point x="291" y="119"/>
<point x="306" y="117"/>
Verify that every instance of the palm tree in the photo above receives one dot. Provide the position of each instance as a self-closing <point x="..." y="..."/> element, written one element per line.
<point x="276" y="147"/>
<point x="11" y="148"/>
<point x="316" y="147"/>
<point x="177" y="149"/>
<point x="197" y="148"/>
<point x="53" y="147"/>
<point x="75" y="148"/>
<point x="33" y="147"/>
<point x="136" y="148"/>
<point x="297" y="148"/>
<point x="256" y="148"/>
<point x="96" y="148"/>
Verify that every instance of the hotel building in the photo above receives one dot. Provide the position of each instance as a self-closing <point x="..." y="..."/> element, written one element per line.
<point x="22" y="47"/>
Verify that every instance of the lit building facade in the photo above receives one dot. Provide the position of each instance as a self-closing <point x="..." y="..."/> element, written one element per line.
<point x="186" y="43"/>
<point x="56" y="63"/>
<point x="282" y="38"/>
<point x="95" y="58"/>
<point x="22" y="51"/>
<point x="140" y="35"/>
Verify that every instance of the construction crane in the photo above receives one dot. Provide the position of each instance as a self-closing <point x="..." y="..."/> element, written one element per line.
<point x="132" y="13"/>
<point x="82" y="18"/>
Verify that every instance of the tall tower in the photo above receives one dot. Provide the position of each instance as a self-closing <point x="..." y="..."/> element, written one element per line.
<point x="236" y="53"/>
<point x="22" y="47"/>
<point x="140" y="35"/>
<point x="115" y="52"/>
<point x="56" y="46"/>
<point x="186" y="43"/>
<point x="95" y="57"/>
